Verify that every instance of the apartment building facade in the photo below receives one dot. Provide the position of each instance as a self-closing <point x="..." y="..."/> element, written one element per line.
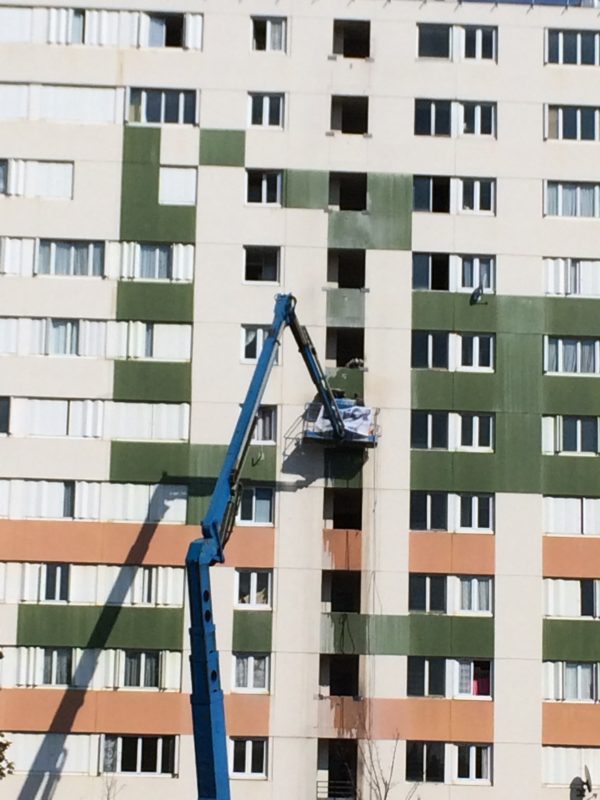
<point x="420" y="619"/>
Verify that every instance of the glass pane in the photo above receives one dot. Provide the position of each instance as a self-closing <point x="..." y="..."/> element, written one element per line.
<point x="483" y="594"/>
<point x="417" y="587"/>
<point x="132" y="669"/>
<point x="487" y="42"/>
<point x="470" y="42"/>
<point x="250" y="343"/>
<point x="418" y="511"/>
<point x="4" y="414"/>
<point x="274" y="109"/>
<point x="97" y="259"/>
<point x="241" y="671"/>
<point x="260" y="672"/>
<point x="487" y="119"/>
<point x="440" y="350"/>
<point x="129" y="745"/>
<point x="468" y="273"/>
<point x="109" y="762"/>
<point x="156" y="32"/>
<point x="423" y="109"/>
<point x="415" y="680"/>
<point x="442" y="119"/>
<point x="153" y="105"/>
<point x="257" y="765"/>
<point x="589" y="435"/>
<point x="468" y="194"/>
<point x="135" y="105"/>
<point x="466" y="511"/>
<point x="588" y="47"/>
<point x="485" y="195"/>
<point x="168" y="755"/>
<point x="569" y="122"/>
<point x="463" y="761"/>
<point x="62" y="258"/>
<point x="47" y="672"/>
<point x="189" y="108"/>
<point x="151" y="670"/>
<point x="244" y="587"/>
<point x="553" y="122"/>
<point x="439" y="430"/>
<point x="588" y="123"/>
<point x="3" y="176"/>
<point x="469" y="118"/>
<point x="485" y="351"/>
<point x="437" y="593"/>
<point x="586" y="681"/>
<point x="239" y="756"/>
<point x="587" y="598"/>
<point x="171" y="106"/>
<point x="485" y="431"/>
<point x="434" y="762"/>
<point x="81" y="258"/>
<point x="262" y="588"/>
<point x="466" y="430"/>
<point x="421" y="193"/>
<point x="569" y="47"/>
<point x="588" y="356"/>
<point x="466" y="358"/>
<point x="420" y="349"/>
<point x="43" y="266"/>
<point x="569" y="354"/>
<point x="439" y="511"/>
<point x="570" y="681"/>
<point x="484" y="512"/>
<point x="263" y="506"/>
<point x="275" y="28"/>
<point x="63" y="666"/>
<point x="254" y="187"/>
<point x="51" y="575"/>
<point x="553" y="47"/>
<point x="464" y="677"/>
<point x="466" y="594"/>
<point x="420" y="271"/>
<point x="418" y="430"/>
<point x="437" y="677"/>
<point x="259" y="30"/>
<point x="247" y="505"/>
<point x="256" y="109"/>
<point x="272" y="184"/>
<point x="147" y="261"/>
<point x="149" y="753"/>
<point x="586" y="200"/>
<point x="434" y="41"/>
<point x="414" y="761"/>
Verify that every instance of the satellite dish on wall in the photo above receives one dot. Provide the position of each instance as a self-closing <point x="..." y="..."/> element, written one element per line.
<point x="588" y="778"/>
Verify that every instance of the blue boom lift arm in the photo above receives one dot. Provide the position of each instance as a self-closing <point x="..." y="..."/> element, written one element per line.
<point x="208" y="714"/>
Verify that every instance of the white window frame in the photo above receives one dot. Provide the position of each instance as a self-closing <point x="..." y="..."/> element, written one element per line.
<point x="476" y="366"/>
<point x="130" y="113"/>
<point x="428" y="609"/>
<point x="433" y="106"/>
<point x="54" y="653"/>
<point x="560" y="111"/>
<point x="253" y="600"/>
<point x="558" y="423"/>
<point x="473" y="748"/>
<point x="480" y="263"/>
<point x="138" y="771"/>
<point x="250" y="688"/>
<point x="270" y="39"/>
<point x="262" y="331"/>
<point x="247" y="774"/>
<point x="478" y="29"/>
<point x="451" y="40"/>
<point x="266" y="418"/>
<point x="154" y="251"/>
<point x="263" y="249"/>
<point x="266" y="99"/>
<point x="73" y="246"/>
<point x="477" y="184"/>
<point x="428" y="513"/>
<point x="468" y="664"/>
<point x="71" y="341"/>
<point x="253" y="521"/>
<point x="430" y="340"/>
<point x="561" y="32"/>
<point x="472" y="502"/>
<point x="577" y="186"/>
<point x="473" y="583"/>
<point x="62" y="583"/>
<point x="142" y="655"/>
<point x="560" y="355"/>
<point x="478" y="106"/>
<point x="476" y="418"/>
<point x="265" y="174"/>
<point x="429" y="445"/>
<point x="426" y="671"/>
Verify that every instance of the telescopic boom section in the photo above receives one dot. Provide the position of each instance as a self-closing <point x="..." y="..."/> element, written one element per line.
<point x="208" y="715"/>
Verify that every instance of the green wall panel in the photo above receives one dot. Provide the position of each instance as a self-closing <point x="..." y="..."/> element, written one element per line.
<point x="155" y="302"/>
<point x="166" y="382"/>
<point x="100" y="627"/>
<point x="350" y="381"/>
<point x="571" y="640"/>
<point x="343" y="467"/>
<point x="252" y="631"/>
<point x="387" y="225"/>
<point x="306" y="189"/>
<point x="142" y="218"/>
<point x="415" y="634"/>
<point x="222" y="148"/>
<point x="517" y="392"/>
<point x="346" y="308"/>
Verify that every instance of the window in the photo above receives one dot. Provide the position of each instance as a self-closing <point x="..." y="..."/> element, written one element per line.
<point x="479" y="42"/>
<point x="576" y="356"/>
<point x="70" y="258"/>
<point x="476" y="351"/>
<point x="429" y="350"/>
<point x="570" y="434"/>
<point x="264" y="186"/>
<point x="251" y="672"/>
<point x="256" y="506"/>
<point x="478" y="194"/>
<point x="427" y="593"/>
<point x="431" y="193"/>
<point x="58" y="666"/>
<point x="571" y="681"/>
<point x="428" y="511"/>
<point x="249" y="757"/>
<point x="253" y="588"/>
<point x="479" y="119"/>
<point x="572" y="515"/>
<point x="261" y="263"/>
<point x="48" y="179"/>
<point x="177" y="186"/>
<point x="431" y="271"/>
<point x="141" y="669"/>
<point x="55" y="582"/>
<point x="477" y="271"/>
<point x="473" y="678"/>
<point x="348" y="191"/>
<point x="253" y="338"/>
<point x="266" y="110"/>
<point x="473" y="762"/>
<point x="429" y="430"/>
<point x="572" y="122"/>
<point x="268" y="33"/>
<point x="475" y="595"/>
<point x="573" y="276"/>
<point x="426" y="677"/>
<point x="476" y="431"/>
<point x="265" y="429"/>
<point x="350" y="114"/>
<point x="572" y="47"/>
<point x="425" y="762"/>
<point x="476" y="512"/>
<point x="434" y="41"/>
<point x="156" y="262"/>
<point x="3" y="177"/>
<point x="445" y="272"/>
<point x="572" y="199"/>
<point x="4" y="414"/>
<point x="63" y="337"/>
<point x="158" y="106"/>
<point x="572" y="598"/>
<point x="140" y="754"/>
<point x="351" y="38"/>
<point x="165" y="30"/>
<point x="432" y="117"/>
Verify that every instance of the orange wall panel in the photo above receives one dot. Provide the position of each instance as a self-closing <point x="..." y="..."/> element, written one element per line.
<point x="571" y="724"/>
<point x="247" y="714"/>
<point x="571" y="557"/>
<point x="342" y="549"/>
<point x="452" y="553"/>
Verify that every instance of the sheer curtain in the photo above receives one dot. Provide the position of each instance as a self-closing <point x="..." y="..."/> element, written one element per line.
<point x="588" y="356"/>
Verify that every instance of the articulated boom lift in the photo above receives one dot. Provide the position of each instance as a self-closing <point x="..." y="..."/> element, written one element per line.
<point x="336" y="423"/>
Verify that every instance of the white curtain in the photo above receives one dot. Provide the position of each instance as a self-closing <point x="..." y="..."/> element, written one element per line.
<point x="193" y="31"/>
<point x="569" y="355"/>
<point x="172" y="342"/>
<point x="562" y="515"/>
<point x="552" y="199"/>
<point x="568" y="193"/>
<point x="8" y="336"/>
<point x="183" y="262"/>
<point x="4" y="497"/>
<point x="86" y="418"/>
<point x="87" y="500"/>
<point x="14" y="99"/>
<point x="15" y="24"/>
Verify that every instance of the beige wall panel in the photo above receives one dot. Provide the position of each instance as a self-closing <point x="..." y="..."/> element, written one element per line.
<point x="300" y="525"/>
<point x="223" y="595"/>
<point x="386" y="676"/>
<point x="8" y="622"/>
<point x="31" y="376"/>
<point x="294" y="713"/>
<point x="179" y="144"/>
<point x="297" y="610"/>
<point x="520" y="275"/>
<point x="55" y="458"/>
<point x="45" y="296"/>
<point x="294" y="768"/>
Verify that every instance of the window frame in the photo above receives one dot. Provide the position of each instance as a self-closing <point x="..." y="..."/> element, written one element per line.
<point x="269" y="38"/>
<point x="477" y="186"/>
<point x="560" y="47"/>
<point x="161" y="740"/>
<point x="73" y="245"/>
<point x="479" y="32"/>
<point x="472" y="753"/>
<point x="252" y="521"/>
<point x="54" y="653"/>
<point x="262" y="332"/>
<point x="250" y="251"/>
<point x="131" y="113"/>
<point x="250" y="688"/>
<point x="266" y="99"/>
<point x="57" y="574"/>
<point x="265" y="175"/>
<point x="476" y="351"/>
<point x="474" y="583"/>
<point x="252" y="603"/>
<point x="266" y="423"/>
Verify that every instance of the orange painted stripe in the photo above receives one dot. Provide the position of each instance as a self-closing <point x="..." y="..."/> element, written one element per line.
<point x="571" y="557"/>
<point x="452" y="553"/>
<point x="78" y="711"/>
<point x="421" y="718"/>
<point x="342" y="549"/>
<point x="247" y="714"/>
<point x="571" y="724"/>
<point x="125" y="543"/>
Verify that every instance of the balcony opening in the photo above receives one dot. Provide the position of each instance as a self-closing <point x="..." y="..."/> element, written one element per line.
<point x="337" y="761"/>
<point x="340" y="591"/>
<point x="338" y="675"/>
<point x="346" y="268"/>
<point x="350" y="114"/>
<point x="342" y="508"/>
<point x="346" y="347"/>
<point x="352" y="38"/>
<point x="348" y="191"/>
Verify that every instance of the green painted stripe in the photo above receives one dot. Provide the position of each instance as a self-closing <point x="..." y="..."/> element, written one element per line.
<point x="571" y="640"/>
<point x="252" y="631"/>
<point x="343" y="467"/>
<point x="222" y="148"/>
<point x="152" y="381"/>
<point x="415" y="634"/>
<point x="306" y="189"/>
<point x="100" y="627"/>
<point x="155" y="302"/>
<point x="346" y="308"/>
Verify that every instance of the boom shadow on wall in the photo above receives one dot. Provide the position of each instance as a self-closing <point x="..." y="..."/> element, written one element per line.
<point x="45" y="772"/>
